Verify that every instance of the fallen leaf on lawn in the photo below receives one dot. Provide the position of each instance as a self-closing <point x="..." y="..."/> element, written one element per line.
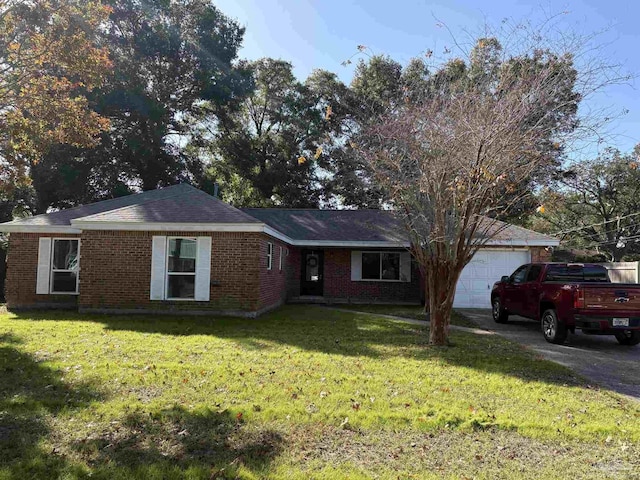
<point x="344" y="422"/>
<point x="239" y="416"/>
<point x="323" y="394"/>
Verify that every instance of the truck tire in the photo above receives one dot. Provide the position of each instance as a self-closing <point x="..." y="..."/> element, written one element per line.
<point x="628" y="337"/>
<point x="500" y="315"/>
<point x="554" y="330"/>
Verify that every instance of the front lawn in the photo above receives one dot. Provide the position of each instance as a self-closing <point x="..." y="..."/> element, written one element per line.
<point x="304" y="392"/>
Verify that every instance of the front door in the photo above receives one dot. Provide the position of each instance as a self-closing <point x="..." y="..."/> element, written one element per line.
<point x="312" y="272"/>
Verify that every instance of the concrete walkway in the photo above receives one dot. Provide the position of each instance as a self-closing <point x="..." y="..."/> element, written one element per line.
<point x="413" y="321"/>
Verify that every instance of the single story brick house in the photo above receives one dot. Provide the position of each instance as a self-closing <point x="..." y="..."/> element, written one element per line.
<point x="180" y="249"/>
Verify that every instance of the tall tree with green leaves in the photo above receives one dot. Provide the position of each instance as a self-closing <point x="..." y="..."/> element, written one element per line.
<point x="281" y="139"/>
<point x="170" y="58"/>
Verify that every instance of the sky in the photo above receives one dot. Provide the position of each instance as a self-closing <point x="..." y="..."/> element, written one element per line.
<point x="324" y="33"/>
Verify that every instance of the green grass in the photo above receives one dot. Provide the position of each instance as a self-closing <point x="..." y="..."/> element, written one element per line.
<point x="415" y="312"/>
<point x="304" y="392"/>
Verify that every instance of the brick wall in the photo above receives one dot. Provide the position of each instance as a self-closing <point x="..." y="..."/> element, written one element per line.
<point x="22" y="269"/>
<point x="116" y="271"/>
<point x="338" y="285"/>
<point x="540" y="255"/>
<point x="294" y="275"/>
<point x="273" y="283"/>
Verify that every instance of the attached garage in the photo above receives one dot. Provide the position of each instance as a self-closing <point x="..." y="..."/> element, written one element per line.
<point x="486" y="268"/>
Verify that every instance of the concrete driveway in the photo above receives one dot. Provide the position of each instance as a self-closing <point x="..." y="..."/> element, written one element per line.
<point x="598" y="358"/>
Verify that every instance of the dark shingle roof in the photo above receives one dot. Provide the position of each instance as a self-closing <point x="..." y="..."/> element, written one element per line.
<point x="176" y="204"/>
<point x="514" y="232"/>
<point x="362" y="225"/>
<point x="188" y="205"/>
<point x="332" y="225"/>
<point x="64" y="217"/>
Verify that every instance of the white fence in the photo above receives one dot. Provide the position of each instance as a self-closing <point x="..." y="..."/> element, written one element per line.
<point x="623" y="272"/>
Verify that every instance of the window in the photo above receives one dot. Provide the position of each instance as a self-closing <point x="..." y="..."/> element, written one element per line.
<point x="381" y="266"/>
<point x="280" y="259"/>
<point x="65" y="258"/>
<point x="519" y="275"/>
<point x="534" y="273"/>
<point x="181" y="268"/>
<point x="269" y="255"/>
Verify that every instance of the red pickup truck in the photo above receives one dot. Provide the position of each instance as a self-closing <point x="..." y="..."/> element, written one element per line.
<point x="565" y="297"/>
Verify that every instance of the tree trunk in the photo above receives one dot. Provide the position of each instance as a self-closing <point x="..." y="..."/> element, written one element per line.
<point x="441" y="282"/>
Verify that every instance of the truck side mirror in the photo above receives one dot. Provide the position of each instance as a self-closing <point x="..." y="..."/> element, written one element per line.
<point x="505" y="279"/>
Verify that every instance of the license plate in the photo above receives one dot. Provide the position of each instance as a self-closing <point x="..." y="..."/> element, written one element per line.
<point x="620" y="322"/>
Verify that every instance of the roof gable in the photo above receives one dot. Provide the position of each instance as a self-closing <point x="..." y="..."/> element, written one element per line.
<point x="176" y="204"/>
<point x="189" y="206"/>
<point x="64" y="217"/>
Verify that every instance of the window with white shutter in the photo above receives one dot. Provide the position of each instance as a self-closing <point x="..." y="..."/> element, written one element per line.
<point x="180" y="268"/>
<point x="58" y="266"/>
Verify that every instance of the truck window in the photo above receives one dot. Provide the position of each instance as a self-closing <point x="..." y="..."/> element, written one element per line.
<point x="564" y="273"/>
<point x="596" y="273"/>
<point x="519" y="275"/>
<point x="576" y="273"/>
<point x="534" y="273"/>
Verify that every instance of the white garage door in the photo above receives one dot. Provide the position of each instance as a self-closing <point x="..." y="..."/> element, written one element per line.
<point x="484" y="269"/>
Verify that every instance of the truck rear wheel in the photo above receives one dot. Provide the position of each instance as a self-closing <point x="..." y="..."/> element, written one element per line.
<point x="628" y="337"/>
<point x="554" y="330"/>
<point x="500" y="315"/>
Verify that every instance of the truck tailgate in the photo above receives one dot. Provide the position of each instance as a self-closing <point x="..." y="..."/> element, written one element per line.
<point x="612" y="297"/>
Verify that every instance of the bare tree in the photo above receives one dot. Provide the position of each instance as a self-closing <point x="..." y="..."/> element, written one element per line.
<point x="466" y="143"/>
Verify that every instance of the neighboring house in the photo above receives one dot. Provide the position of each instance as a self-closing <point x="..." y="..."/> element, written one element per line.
<point x="180" y="249"/>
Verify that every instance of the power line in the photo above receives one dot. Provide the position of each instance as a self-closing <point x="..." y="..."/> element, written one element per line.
<point x="625" y="227"/>
<point x="562" y="232"/>
<point x="623" y="239"/>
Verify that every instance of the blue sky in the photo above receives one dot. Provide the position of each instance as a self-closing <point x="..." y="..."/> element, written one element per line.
<point x="323" y="33"/>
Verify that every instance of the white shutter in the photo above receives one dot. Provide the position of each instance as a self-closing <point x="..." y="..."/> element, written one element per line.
<point x="356" y="265"/>
<point x="44" y="266"/>
<point x="203" y="269"/>
<point x="405" y="267"/>
<point x="158" y="266"/>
